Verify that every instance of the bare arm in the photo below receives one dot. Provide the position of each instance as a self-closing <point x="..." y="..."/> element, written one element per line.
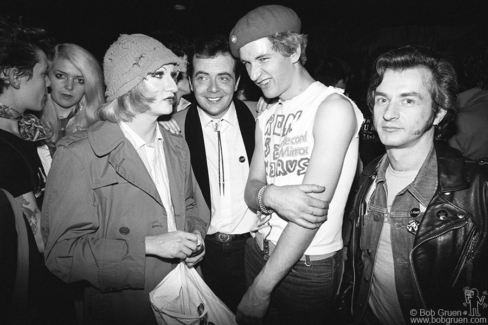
<point x="29" y="207"/>
<point x="291" y="202"/>
<point x="330" y="142"/>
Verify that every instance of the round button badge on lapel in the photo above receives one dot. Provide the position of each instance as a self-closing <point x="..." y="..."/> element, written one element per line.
<point x="414" y="212"/>
<point x="124" y="230"/>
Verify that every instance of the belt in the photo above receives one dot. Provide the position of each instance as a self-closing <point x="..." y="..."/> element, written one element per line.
<point x="267" y="247"/>
<point x="225" y="238"/>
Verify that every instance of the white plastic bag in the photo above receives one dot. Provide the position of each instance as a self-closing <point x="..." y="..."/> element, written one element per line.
<point x="182" y="297"/>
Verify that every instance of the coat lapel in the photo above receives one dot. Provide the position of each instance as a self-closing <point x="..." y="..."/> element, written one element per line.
<point x="194" y="138"/>
<point x="173" y="158"/>
<point x="106" y="138"/>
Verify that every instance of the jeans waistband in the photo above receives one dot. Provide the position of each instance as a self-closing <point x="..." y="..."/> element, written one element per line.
<point x="267" y="248"/>
<point x="225" y="238"/>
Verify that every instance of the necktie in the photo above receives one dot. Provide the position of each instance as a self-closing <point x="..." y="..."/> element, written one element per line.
<point x="217" y="127"/>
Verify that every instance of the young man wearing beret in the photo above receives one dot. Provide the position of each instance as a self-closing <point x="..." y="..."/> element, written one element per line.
<point x="302" y="169"/>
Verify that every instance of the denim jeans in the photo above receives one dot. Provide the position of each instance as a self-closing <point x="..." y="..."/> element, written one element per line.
<point x="223" y="270"/>
<point x="304" y="295"/>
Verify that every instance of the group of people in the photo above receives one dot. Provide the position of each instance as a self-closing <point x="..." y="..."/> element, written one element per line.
<point x="270" y="201"/>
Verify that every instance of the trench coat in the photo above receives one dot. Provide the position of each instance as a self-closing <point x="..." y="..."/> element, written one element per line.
<point x="100" y="204"/>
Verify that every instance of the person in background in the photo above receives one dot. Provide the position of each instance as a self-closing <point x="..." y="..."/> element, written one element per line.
<point x="178" y="44"/>
<point x="119" y="209"/>
<point x="471" y="131"/>
<point x="77" y="91"/>
<point x="23" y="88"/>
<point x="308" y="137"/>
<point x="332" y="72"/>
<point x="419" y="221"/>
<point x="219" y="130"/>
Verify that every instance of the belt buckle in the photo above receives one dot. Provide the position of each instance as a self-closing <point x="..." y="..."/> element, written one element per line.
<point x="224" y="237"/>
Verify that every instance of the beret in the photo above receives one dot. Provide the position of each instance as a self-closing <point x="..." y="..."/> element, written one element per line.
<point x="262" y="22"/>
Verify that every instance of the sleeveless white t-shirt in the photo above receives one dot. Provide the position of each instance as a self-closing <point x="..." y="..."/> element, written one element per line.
<point x="287" y="135"/>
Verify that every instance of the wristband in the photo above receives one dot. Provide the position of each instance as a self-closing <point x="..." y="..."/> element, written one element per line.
<point x="260" y="200"/>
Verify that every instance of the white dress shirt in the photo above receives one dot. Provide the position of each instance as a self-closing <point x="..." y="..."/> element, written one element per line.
<point x="152" y="155"/>
<point x="229" y="213"/>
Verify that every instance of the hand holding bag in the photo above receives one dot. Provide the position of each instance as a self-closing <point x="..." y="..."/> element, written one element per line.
<point x="183" y="297"/>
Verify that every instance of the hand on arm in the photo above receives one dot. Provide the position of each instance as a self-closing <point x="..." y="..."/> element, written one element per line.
<point x="29" y="207"/>
<point x="331" y="143"/>
<point x="293" y="203"/>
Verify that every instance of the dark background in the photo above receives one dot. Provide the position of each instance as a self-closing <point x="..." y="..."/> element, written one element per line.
<point x="355" y="30"/>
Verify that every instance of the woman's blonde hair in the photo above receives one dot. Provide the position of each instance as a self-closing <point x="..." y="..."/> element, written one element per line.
<point x="86" y="109"/>
<point x="127" y="106"/>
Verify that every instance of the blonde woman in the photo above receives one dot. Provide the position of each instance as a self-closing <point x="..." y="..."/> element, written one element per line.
<point x="116" y="193"/>
<point x="76" y="92"/>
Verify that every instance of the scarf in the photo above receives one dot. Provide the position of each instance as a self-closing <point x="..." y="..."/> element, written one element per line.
<point x="30" y="128"/>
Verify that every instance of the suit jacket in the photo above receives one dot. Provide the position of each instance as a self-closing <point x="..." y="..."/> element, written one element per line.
<point x="101" y="203"/>
<point x="191" y="128"/>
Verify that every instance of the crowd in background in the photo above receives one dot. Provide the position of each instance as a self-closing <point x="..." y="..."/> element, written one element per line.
<point x="84" y="173"/>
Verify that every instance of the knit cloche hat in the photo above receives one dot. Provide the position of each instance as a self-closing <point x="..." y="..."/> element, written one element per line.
<point x="130" y="59"/>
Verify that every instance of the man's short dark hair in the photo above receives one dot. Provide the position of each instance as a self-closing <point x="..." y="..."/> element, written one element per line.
<point x="330" y="71"/>
<point x="443" y="87"/>
<point x="210" y="46"/>
<point x="19" y="48"/>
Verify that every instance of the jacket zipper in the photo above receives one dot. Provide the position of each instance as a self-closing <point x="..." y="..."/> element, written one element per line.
<point x="425" y="240"/>
<point x="469" y="255"/>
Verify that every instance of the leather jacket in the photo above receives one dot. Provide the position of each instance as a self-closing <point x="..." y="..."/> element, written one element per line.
<point x="450" y="251"/>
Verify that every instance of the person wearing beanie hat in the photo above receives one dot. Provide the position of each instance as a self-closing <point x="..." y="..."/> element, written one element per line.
<point x="304" y="163"/>
<point x="120" y="206"/>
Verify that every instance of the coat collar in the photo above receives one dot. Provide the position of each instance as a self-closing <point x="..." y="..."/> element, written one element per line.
<point x="107" y="138"/>
<point x="451" y="168"/>
<point x="104" y="137"/>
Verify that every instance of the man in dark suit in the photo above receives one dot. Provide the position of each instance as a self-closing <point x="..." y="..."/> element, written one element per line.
<point x="220" y="134"/>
